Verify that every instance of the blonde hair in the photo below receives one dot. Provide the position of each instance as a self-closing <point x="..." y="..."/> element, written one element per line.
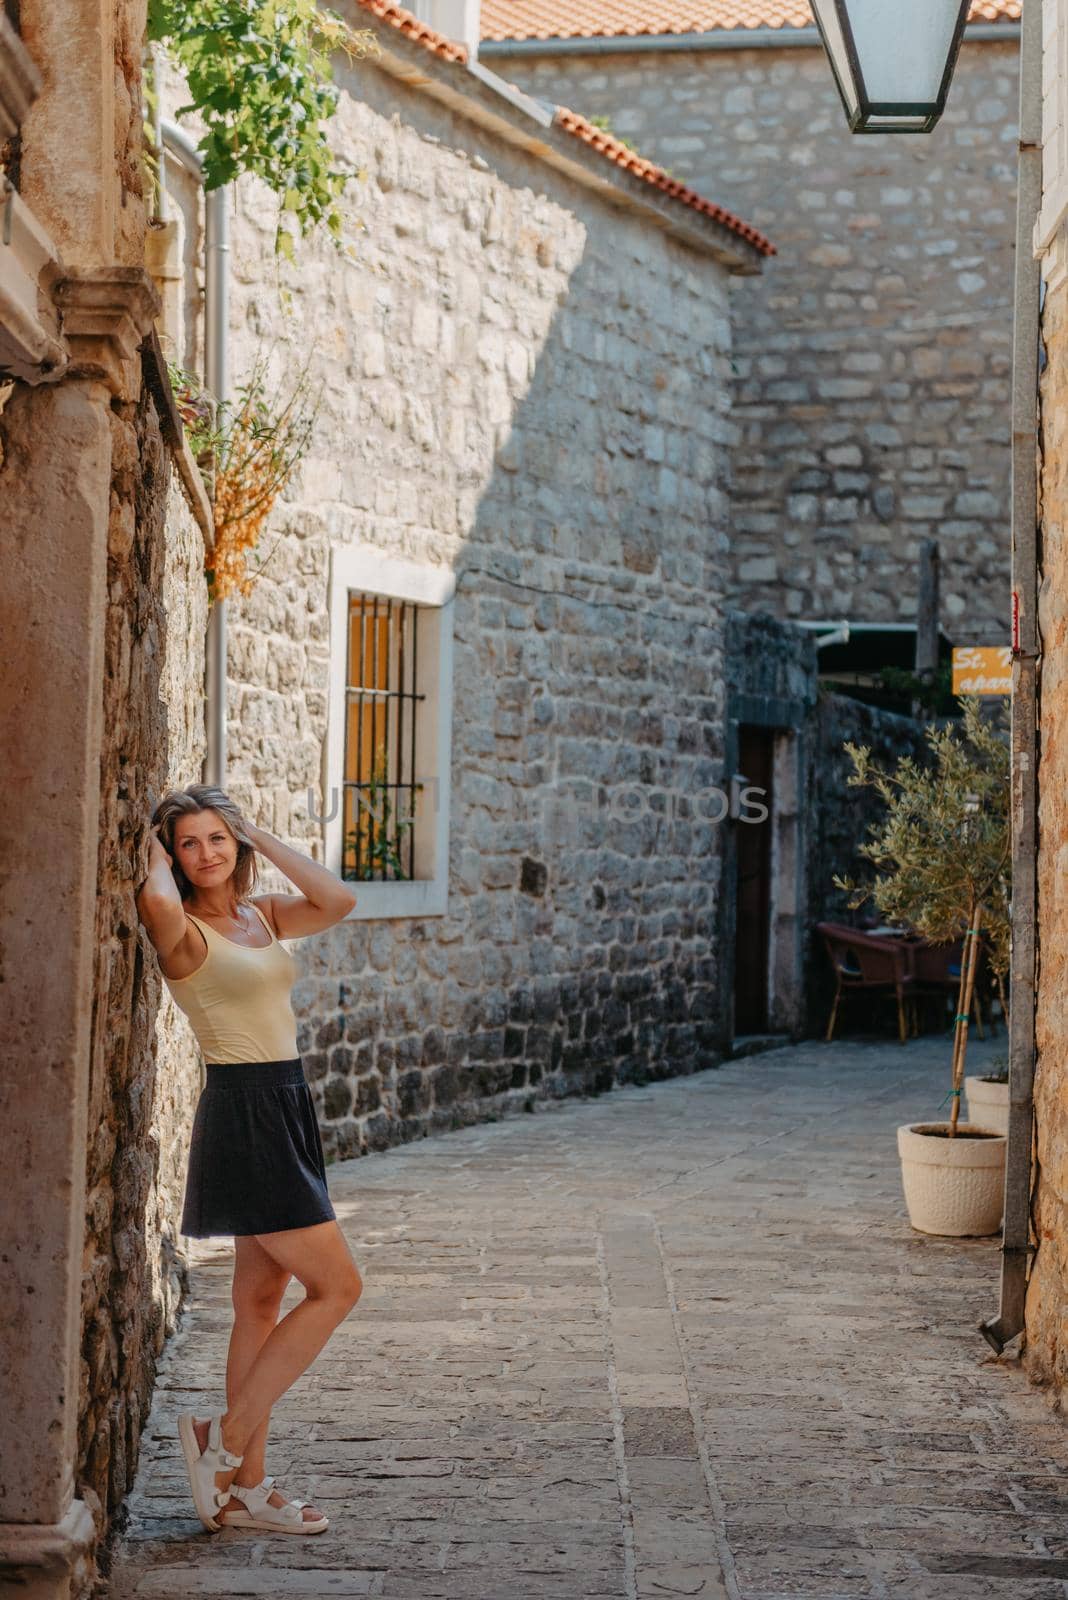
<point x="189" y="802"/>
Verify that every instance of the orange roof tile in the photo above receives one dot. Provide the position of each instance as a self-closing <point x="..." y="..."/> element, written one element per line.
<point x="623" y="156"/>
<point x="604" y="143"/>
<point x="588" y="19"/>
<point x="408" y="24"/>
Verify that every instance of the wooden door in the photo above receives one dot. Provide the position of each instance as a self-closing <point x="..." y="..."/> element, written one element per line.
<point x="752" y="937"/>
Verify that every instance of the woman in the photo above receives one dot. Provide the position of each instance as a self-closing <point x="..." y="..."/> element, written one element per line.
<point x="256" y="1169"/>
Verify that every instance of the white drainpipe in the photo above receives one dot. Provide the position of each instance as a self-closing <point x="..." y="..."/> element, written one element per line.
<point x="217" y="377"/>
<point x="1027" y="649"/>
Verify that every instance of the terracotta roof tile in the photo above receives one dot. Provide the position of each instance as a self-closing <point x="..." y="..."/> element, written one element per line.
<point x="605" y="144"/>
<point x="623" y="156"/>
<point x="408" y="24"/>
<point x="583" y="19"/>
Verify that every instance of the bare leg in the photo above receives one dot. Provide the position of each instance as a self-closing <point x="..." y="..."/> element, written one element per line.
<point x="259" y="1284"/>
<point x="319" y="1258"/>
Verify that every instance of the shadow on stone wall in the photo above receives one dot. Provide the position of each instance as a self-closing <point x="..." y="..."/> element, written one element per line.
<point x="579" y="950"/>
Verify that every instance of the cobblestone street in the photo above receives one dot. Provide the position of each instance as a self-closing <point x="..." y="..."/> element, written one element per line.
<point x="678" y="1340"/>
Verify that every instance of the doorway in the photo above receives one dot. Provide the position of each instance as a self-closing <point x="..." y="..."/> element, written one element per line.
<point x="753" y="860"/>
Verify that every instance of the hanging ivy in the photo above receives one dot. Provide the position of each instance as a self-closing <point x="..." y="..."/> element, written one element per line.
<point x="260" y="77"/>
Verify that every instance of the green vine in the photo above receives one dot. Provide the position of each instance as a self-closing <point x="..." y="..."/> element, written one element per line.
<point x="259" y="74"/>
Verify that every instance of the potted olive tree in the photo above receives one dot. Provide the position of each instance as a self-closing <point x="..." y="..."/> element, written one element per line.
<point x="941" y="859"/>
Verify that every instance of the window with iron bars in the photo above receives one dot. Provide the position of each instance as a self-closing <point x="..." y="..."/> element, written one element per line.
<point x="382" y="699"/>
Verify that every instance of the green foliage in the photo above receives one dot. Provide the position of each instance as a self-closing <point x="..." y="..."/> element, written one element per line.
<point x="942" y="847"/>
<point x="606" y="127"/>
<point x="378" y="829"/>
<point x="197" y="409"/>
<point x="933" y="695"/>
<point x="259" y="74"/>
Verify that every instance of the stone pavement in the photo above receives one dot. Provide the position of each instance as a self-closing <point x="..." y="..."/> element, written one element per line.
<point x="677" y="1340"/>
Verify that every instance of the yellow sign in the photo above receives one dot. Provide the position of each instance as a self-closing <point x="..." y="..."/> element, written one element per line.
<point x="982" y="669"/>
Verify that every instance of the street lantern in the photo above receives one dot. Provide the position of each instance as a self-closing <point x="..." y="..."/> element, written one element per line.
<point x="892" y="59"/>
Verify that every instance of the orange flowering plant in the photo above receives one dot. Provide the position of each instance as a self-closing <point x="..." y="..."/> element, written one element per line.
<point x="248" y="453"/>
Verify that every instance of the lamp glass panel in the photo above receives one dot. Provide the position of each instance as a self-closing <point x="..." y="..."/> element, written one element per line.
<point x="827" y="12"/>
<point x="903" y="47"/>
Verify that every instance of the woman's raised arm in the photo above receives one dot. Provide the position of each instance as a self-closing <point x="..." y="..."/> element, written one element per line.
<point x="325" y="899"/>
<point x="159" y="905"/>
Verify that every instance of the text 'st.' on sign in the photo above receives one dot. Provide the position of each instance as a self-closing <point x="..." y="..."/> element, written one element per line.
<point x="979" y="669"/>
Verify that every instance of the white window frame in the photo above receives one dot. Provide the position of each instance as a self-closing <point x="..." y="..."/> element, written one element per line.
<point x="1048" y="239"/>
<point x="364" y="568"/>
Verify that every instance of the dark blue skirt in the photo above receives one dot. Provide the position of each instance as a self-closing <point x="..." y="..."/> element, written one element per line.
<point x="256" y="1158"/>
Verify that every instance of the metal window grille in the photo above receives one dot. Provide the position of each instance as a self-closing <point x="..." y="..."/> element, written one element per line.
<point x="382" y="695"/>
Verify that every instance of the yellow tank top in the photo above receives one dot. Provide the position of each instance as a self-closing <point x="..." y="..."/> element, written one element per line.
<point x="238" y="999"/>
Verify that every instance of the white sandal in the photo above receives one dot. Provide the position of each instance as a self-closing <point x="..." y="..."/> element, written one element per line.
<point x="260" y="1513"/>
<point x="202" y="1465"/>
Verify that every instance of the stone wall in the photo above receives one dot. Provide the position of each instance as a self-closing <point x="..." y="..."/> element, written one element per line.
<point x="100" y="705"/>
<point x="143" y="1081"/>
<point x="770" y="659"/>
<point x="142" y="1076"/>
<point x="1047" y="1293"/>
<point x="524" y="383"/>
<point x="872" y="358"/>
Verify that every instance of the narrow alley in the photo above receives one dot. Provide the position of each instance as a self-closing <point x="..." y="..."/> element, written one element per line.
<point x="676" y="1340"/>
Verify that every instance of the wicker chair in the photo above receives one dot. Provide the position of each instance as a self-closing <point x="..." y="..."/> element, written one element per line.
<point x="871" y="961"/>
<point x="936" y="971"/>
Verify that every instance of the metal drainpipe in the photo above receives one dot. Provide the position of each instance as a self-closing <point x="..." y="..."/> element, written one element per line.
<point x="713" y="39"/>
<point x="157" y="135"/>
<point x="1016" y="1242"/>
<point x="217" y="377"/>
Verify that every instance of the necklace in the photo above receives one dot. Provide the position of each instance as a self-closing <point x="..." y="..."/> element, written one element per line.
<point x="216" y="916"/>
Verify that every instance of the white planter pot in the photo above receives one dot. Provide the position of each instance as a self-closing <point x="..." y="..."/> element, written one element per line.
<point x="988" y="1104"/>
<point x="952" y="1186"/>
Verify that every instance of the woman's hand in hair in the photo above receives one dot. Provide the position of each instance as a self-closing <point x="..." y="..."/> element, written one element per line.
<point x="159" y="904"/>
<point x="323" y="901"/>
<point x="159" y="887"/>
<point x="252" y="833"/>
<point x="156" y="845"/>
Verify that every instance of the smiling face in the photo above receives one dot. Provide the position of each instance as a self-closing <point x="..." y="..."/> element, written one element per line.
<point x="204" y="848"/>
